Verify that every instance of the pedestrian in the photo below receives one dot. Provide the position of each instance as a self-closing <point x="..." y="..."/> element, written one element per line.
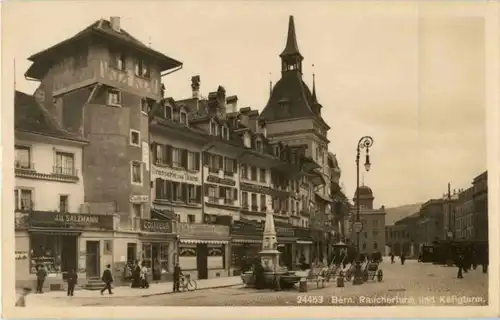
<point x="72" y="280"/>
<point x="144" y="276"/>
<point x="21" y="301"/>
<point x="177" y="277"/>
<point x="107" y="278"/>
<point x="136" y="275"/>
<point x="392" y="257"/>
<point x="258" y="272"/>
<point x="41" y="274"/>
<point x="403" y="258"/>
<point x="460" y="264"/>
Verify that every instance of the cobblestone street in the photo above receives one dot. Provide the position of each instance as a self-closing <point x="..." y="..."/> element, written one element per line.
<point x="411" y="284"/>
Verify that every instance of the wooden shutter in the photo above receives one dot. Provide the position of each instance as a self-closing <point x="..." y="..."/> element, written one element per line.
<point x="206" y="190"/>
<point x="221" y="162"/>
<point x="184" y="155"/>
<point x="168" y="154"/>
<point x="235" y="194"/>
<point x="197" y="160"/>
<point x="159" y="188"/>
<point x="198" y="194"/>
<point x="235" y="165"/>
<point x="205" y="158"/>
<point x="153" y="150"/>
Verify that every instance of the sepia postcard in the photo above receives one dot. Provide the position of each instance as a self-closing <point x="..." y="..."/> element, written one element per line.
<point x="248" y="157"/>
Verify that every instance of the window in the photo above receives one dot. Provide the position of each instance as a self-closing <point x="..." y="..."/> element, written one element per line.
<point x="114" y="98"/>
<point x="23" y="157"/>
<point x="176" y="157"/>
<point x="254" y="202"/>
<point x="162" y="154"/>
<point x="193" y="194"/>
<point x="167" y="111"/>
<point x="142" y="69"/>
<point x="364" y="246"/>
<point x="244" y="200"/>
<point x="136" y="172"/>
<point x="177" y="192"/>
<point x="225" y="133"/>
<point x="135" y="138"/>
<point x="262" y="175"/>
<point x="243" y="172"/>
<point x="146" y="105"/>
<point x="229" y="166"/>
<point x="137" y="210"/>
<point x="375" y="233"/>
<point x="193" y="161"/>
<point x="183" y="118"/>
<point x="247" y="141"/>
<point x="191" y="218"/>
<point x="263" y="202"/>
<point x="23" y="199"/>
<point x="212" y="194"/>
<point x="65" y="164"/>
<point x="258" y="145"/>
<point x="117" y="60"/>
<point x="213" y="128"/>
<point x="253" y="173"/>
<point x="63" y="203"/>
<point x="375" y="246"/>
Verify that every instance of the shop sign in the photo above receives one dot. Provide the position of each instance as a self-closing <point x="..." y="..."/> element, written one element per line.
<point x="151" y="225"/>
<point x="202" y="230"/>
<point x="285" y="232"/>
<point x="303" y="233"/>
<point x="139" y="198"/>
<point x="224" y="181"/>
<point x="255" y="188"/>
<point x="70" y="220"/>
<point x="247" y="228"/>
<point x="175" y="175"/>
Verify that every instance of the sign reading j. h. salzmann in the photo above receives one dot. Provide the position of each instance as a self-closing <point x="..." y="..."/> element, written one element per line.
<point x="176" y="175"/>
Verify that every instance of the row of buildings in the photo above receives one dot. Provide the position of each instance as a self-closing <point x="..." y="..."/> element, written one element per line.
<point x="108" y="170"/>
<point x="461" y="216"/>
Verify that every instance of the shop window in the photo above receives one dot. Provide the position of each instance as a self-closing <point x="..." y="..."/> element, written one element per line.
<point x="216" y="257"/>
<point x="187" y="257"/>
<point x="58" y="253"/>
<point x="63" y="203"/>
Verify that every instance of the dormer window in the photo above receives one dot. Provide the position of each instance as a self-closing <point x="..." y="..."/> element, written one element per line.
<point x="142" y="69"/>
<point x="225" y="132"/>
<point x="213" y="128"/>
<point x="183" y="118"/>
<point x="167" y="112"/>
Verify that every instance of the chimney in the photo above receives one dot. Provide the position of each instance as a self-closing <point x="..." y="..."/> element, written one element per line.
<point x="195" y="86"/>
<point x="232" y="104"/>
<point x="115" y="23"/>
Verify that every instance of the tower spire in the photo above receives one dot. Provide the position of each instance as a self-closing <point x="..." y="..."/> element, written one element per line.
<point x="315" y="100"/>
<point x="270" y="85"/>
<point x="291" y="47"/>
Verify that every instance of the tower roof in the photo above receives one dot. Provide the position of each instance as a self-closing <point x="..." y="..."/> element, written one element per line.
<point x="291" y="47"/>
<point x="364" y="191"/>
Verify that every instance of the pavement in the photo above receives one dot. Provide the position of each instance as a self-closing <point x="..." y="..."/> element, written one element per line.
<point x="412" y="284"/>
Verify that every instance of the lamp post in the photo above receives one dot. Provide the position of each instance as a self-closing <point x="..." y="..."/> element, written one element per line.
<point x="364" y="143"/>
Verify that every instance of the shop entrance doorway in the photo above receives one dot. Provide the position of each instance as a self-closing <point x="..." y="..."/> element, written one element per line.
<point x="93" y="259"/>
<point x="202" y="260"/>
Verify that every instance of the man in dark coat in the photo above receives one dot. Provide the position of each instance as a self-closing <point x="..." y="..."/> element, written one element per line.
<point x="136" y="275"/>
<point x="177" y="277"/>
<point x="72" y="279"/>
<point x="41" y="274"/>
<point x="107" y="278"/>
<point x="460" y="265"/>
<point x="258" y="272"/>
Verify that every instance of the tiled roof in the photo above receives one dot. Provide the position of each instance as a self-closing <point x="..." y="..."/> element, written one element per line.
<point x="100" y="27"/>
<point x="30" y="116"/>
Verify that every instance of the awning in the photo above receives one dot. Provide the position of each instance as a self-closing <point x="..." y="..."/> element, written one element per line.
<point x="324" y="198"/>
<point x="56" y="232"/>
<point x="196" y="241"/>
<point x="246" y="241"/>
<point x="304" y="242"/>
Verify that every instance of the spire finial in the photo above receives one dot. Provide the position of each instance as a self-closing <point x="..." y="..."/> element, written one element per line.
<point x="291" y="47"/>
<point x="149" y="41"/>
<point x="270" y="84"/>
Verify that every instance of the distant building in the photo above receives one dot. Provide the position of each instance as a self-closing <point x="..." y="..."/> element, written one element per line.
<point x="480" y="200"/>
<point x="372" y="236"/>
<point x="430" y="223"/>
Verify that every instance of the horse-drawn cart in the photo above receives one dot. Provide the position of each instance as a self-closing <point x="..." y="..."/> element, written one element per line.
<point x="372" y="270"/>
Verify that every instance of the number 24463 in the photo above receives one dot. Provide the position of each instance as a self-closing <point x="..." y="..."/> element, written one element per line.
<point x="310" y="299"/>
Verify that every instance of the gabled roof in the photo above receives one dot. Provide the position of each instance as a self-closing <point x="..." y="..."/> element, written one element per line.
<point x="103" y="29"/>
<point x="31" y="117"/>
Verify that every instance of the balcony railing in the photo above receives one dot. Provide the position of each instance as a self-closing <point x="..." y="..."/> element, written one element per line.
<point x="213" y="200"/>
<point x="65" y="171"/>
<point x="244" y="206"/>
<point x="228" y="201"/>
<point x="24" y="165"/>
<point x="255" y="208"/>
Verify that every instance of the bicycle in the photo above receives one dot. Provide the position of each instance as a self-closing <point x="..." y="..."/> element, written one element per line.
<point x="186" y="283"/>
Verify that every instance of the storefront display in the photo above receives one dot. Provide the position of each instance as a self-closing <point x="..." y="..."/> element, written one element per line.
<point x="187" y="256"/>
<point x="56" y="252"/>
<point x="216" y="256"/>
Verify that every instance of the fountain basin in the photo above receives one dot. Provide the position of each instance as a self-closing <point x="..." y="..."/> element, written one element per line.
<point x="287" y="279"/>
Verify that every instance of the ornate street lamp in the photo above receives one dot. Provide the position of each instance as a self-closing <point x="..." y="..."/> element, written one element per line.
<point x="364" y="143"/>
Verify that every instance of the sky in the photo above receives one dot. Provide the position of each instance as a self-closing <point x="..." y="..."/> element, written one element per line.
<point x="412" y="81"/>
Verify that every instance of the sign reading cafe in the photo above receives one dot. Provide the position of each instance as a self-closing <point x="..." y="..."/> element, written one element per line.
<point x="175" y="175"/>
